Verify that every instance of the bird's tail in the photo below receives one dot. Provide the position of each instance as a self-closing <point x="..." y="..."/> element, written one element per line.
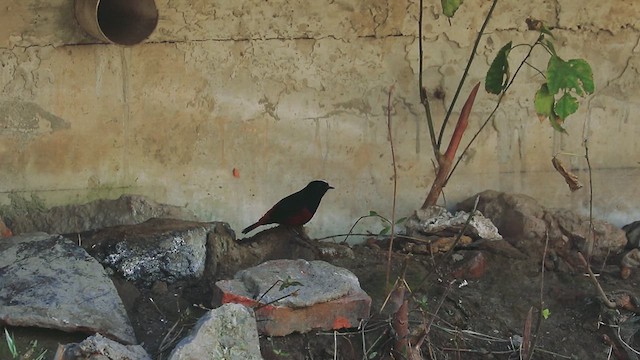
<point x="251" y="227"/>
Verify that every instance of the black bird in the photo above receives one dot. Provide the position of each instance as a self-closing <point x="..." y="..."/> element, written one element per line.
<point x="296" y="209"/>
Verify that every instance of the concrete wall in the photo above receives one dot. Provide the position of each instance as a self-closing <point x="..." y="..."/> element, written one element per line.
<point x="289" y="91"/>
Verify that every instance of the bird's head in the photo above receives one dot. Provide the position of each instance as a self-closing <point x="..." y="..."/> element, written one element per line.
<point x="318" y="186"/>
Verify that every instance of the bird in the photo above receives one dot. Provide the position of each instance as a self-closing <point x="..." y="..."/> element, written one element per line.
<point x="296" y="209"/>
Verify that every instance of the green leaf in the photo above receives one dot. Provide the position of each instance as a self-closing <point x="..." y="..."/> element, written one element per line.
<point x="544" y="102"/>
<point x="569" y="75"/>
<point x="584" y="73"/>
<point x="566" y="105"/>
<point x="11" y="345"/>
<point x="449" y="7"/>
<point x="545" y="30"/>
<point x="401" y="220"/>
<point x="385" y="230"/>
<point x="289" y="282"/>
<point x="549" y="45"/>
<point x="546" y="313"/>
<point x="373" y="213"/>
<point x="498" y="73"/>
<point x="556" y="124"/>
<point x="545" y="108"/>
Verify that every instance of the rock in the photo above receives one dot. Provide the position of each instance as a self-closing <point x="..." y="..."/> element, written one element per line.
<point x="319" y="282"/>
<point x="526" y="223"/>
<point x="156" y="250"/>
<point x="48" y="281"/>
<point x="513" y="215"/>
<point x="4" y="230"/>
<point x="226" y="255"/>
<point x="329" y="251"/>
<point x="607" y="237"/>
<point x="126" y="210"/>
<point x="632" y="232"/>
<point x="436" y="220"/>
<point x="630" y="261"/>
<point x="318" y="295"/>
<point x="473" y="266"/>
<point x="97" y="347"/>
<point x="228" y="332"/>
<point x="433" y="244"/>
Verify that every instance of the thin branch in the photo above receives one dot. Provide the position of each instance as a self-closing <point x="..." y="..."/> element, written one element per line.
<point x="539" y="322"/>
<point x="450" y="251"/>
<point x="464" y="228"/>
<point x="427" y="327"/>
<point x="424" y="98"/>
<point x="591" y="230"/>
<point x="395" y="186"/>
<point x="466" y="71"/>
<point x="608" y="303"/>
<point x="350" y="230"/>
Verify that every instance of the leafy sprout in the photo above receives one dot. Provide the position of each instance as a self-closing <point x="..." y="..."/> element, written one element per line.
<point x="557" y="98"/>
<point x="387" y="223"/>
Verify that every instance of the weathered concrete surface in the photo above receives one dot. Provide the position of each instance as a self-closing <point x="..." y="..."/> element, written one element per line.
<point x="48" y="281"/>
<point x="295" y="90"/>
<point x="156" y="250"/>
<point x="99" y="214"/>
<point x="228" y="332"/>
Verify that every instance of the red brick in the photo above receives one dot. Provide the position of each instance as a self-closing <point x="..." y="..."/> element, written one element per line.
<point x="345" y="312"/>
<point x="472" y="267"/>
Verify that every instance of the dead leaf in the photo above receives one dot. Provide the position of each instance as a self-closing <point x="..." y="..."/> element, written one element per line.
<point x="571" y="179"/>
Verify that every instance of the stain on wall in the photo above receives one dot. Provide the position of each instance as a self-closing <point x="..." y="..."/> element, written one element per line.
<point x="288" y="91"/>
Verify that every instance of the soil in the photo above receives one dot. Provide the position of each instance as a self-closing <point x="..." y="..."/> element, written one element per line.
<point x="480" y="315"/>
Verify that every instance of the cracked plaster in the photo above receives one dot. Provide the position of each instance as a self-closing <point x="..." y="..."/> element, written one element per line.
<point x="286" y="91"/>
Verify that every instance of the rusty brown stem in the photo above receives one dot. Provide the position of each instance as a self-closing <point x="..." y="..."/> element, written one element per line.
<point x="445" y="162"/>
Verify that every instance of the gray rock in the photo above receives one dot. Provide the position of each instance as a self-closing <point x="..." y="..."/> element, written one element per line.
<point x="318" y="280"/>
<point x="513" y="215"/>
<point x="226" y="333"/>
<point x="226" y="255"/>
<point x="523" y="220"/>
<point x="319" y="296"/>
<point x="126" y="210"/>
<point x="158" y="249"/>
<point x="633" y="234"/>
<point x="48" y="281"/>
<point x="97" y="347"/>
<point x="436" y="220"/>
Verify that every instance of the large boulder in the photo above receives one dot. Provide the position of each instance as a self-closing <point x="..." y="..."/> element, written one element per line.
<point x="156" y="250"/>
<point x="50" y="282"/>
<point x="226" y="333"/>
<point x="526" y="223"/>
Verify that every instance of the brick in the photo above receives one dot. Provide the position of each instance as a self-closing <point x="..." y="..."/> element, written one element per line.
<point x="345" y="312"/>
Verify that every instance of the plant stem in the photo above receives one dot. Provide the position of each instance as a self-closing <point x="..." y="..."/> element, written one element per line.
<point x="466" y="71"/>
<point x="395" y="186"/>
<point x="424" y="99"/>
<point x="444" y="162"/>
<point x="495" y="108"/>
<point x="590" y="244"/>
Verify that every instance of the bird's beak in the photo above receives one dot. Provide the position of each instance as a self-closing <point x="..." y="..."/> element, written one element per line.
<point x="331" y="187"/>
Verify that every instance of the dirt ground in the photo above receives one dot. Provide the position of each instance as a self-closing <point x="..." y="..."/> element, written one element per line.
<point x="468" y="318"/>
<point x="482" y="318"/>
